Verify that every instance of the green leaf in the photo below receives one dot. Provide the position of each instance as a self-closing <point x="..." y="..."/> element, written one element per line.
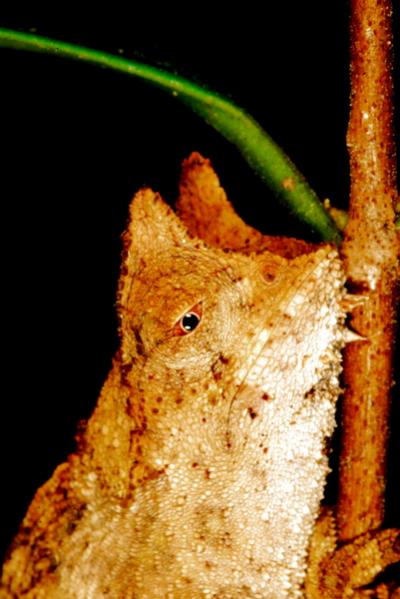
<point x="265" y="157"/>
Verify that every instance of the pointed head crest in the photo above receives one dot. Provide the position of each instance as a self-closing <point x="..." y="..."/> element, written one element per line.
<point x="153" y="229"/>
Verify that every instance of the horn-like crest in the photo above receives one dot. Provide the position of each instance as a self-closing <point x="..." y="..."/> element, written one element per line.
<point x="153" y="229"/>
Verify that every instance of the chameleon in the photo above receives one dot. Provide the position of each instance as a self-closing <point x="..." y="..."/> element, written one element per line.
<point x="202" y="468"/>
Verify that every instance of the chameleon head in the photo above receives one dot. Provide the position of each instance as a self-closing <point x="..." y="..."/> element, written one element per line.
<point x="214" y="333"/>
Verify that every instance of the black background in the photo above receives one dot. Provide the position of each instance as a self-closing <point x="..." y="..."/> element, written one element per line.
<point x="78" y="141"/>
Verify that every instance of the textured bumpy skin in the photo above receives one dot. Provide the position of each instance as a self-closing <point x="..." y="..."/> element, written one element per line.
<point x="201" y="471"/>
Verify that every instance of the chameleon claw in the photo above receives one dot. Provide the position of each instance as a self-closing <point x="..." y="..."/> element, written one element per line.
<point x="352" y="301"/>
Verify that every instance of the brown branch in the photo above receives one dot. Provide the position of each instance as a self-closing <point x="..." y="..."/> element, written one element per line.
<point x="370" y="252"/>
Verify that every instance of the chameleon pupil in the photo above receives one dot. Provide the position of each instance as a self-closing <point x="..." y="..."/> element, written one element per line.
<point x="190" y="321"/>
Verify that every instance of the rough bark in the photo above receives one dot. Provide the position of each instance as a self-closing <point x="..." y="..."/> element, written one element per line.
<point x="370" y="251"/>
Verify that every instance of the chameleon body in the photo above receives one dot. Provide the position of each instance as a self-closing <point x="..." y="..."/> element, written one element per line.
<point x="201" y="470"/>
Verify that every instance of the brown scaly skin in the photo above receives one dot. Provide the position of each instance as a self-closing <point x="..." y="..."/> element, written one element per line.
<point x="201" y="471"/>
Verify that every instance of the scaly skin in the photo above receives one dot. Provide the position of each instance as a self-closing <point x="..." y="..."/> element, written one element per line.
<point x="202" y="468"/>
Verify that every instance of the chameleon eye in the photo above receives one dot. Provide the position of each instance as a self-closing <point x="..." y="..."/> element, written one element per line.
<point x="189" y="321"/>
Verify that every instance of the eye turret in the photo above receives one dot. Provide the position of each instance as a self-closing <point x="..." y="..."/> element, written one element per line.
<point x="189" y="321"/>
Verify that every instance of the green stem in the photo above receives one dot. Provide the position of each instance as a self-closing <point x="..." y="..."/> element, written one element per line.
<point x="256" y="146"/>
